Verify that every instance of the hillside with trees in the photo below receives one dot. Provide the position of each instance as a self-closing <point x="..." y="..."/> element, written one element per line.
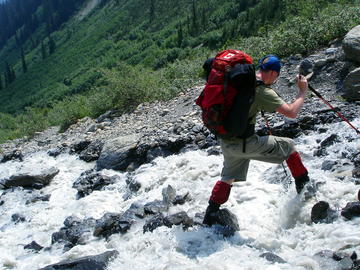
<point x="59" y="63"/>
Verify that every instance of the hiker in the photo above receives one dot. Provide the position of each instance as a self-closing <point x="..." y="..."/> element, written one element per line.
<point x="238" y="152"/>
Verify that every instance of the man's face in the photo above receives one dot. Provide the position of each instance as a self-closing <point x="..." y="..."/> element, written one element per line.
<point x="270" y="77"/>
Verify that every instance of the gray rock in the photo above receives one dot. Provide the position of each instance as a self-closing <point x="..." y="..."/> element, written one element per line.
<point x="156" y="207"/>
<point x="91" y="180"/>
<point x="351" y="210"/>
<point x="351" y="44"/>
<point x="18" y="218"/>
<point x="33" y="246"/>
<point x="153" y="223"/>
<point x="116" y="153"/>
<point x="306" y="67"/>
<point x="327" y="165"/>
<point x="177" y="219"/>
<point x="271" y="257"/>
<point x="73" y="232"/>
<point x="331" y="50"/>
<point x="168" y="194"/>
<point x="31" y="180"/>
<point x="97" y="262"/>
<point x="352" y="85"/>
<point x="322" y="213"/>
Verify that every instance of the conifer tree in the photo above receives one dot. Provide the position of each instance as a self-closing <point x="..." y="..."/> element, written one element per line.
<point x="152" y="10"/>
<point x="194" y="18"/>
<point x="5" y="80"/>
<point x="23" y="62"/>
<point x="180" y="35"/>
<point x="1" y="86"/>
<point x="52" y="45"/>
<point x="43" y="50"/>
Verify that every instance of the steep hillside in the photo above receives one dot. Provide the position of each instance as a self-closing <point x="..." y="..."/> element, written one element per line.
<point x="117" y="54"/>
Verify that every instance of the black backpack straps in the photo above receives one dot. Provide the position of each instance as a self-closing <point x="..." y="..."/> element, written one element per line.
<point x="207" y="66"/>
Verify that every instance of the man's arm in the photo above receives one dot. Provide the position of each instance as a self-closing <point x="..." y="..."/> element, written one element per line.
<point x="291" y="110"/>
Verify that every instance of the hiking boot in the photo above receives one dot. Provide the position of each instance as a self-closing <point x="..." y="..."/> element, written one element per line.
<point x="301" y="182"/>
<point x="211" y="214"/>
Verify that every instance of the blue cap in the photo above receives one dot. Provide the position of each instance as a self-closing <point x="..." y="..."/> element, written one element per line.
<point x="270" y="62"/>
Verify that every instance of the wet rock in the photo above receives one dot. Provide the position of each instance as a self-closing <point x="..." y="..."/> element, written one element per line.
<point x="327" y="165"/>
<point x="12" y="155"/>
<point x="157" y="152"/>
<point x="33" y="246"/>
<point x="38" y="198"/>
<point x="55" y="151"/>
<point x="136" y="210"/>
<point x="214" y="151"/>
<point x="97" y="262"/>
<point x="177" y="219"/>
<point x="153" y="223"/>
<point x="352" y="85"/>
<point x="31" y="180"/>
<point x="351" y="44"/>
<point x="335" y="260"/>
<point x="156" y="207"/>
<point x="132" y="184"/>
<point x="112" y="223"/>
<point x="91" y="180"/>
<point x="107" y="225"/>
<point x="92" y="152"/>
<point x="228" y="223"/>
<point x="17" y="218"/>
<point x="79" y="146"/>
<point x="322" y="213"/>
<point x="181" y="199"/>
<point x="271" y="257"/>
<point x="74" y="232"/>
<point x="329" y="140"/>
<point x="169" y="195"/>
<point x="326" y="143"/>
<point x="356" y="172"/>
<point x="351" y="210"/>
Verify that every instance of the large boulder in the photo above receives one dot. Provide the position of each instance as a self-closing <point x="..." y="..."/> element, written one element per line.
<point x="97" y="262"/>
<point x="117" y="153"/>
<point x="352" y="85"/>
<point x="31" y="180"/>
<point x="351" y="44"/>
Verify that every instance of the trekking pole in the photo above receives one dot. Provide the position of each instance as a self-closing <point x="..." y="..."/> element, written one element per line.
<point x="331" y="107"/>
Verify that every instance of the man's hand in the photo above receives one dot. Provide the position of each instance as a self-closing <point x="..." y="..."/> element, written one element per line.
<point x="302" y="83"/>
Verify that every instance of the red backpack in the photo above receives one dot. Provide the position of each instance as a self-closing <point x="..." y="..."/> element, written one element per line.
<point x="228" y="94"/>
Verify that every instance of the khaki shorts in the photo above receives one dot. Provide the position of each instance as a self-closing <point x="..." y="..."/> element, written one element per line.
<point x="265" y="148"/>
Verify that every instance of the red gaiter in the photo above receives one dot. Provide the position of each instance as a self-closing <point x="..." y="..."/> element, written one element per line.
<point x="220" y="192"/>
<point x="295" y="165"/>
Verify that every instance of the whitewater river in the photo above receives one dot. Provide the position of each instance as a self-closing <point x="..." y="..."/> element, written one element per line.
<point x="271" y="216"/>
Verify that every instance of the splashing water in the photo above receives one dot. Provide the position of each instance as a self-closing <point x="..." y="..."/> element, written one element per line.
<point x="271" y="216"/>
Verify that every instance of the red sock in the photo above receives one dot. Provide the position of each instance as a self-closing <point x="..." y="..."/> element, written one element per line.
<point x="295" y="165"/>
<point x="220" y="193"/>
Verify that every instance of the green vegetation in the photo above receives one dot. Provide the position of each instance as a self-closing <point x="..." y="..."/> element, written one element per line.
<point x="128" y="52"/>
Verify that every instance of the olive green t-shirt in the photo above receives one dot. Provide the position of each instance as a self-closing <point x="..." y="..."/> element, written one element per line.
<point x="265" y="99"/>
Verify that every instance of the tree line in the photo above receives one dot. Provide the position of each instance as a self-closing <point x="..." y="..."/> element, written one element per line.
<point x="21" y="19"/>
